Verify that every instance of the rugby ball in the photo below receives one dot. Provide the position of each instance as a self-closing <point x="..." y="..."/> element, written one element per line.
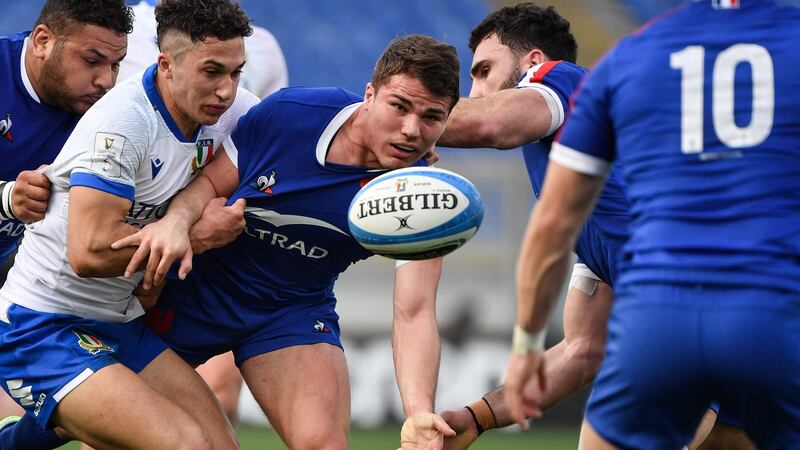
<point x="415" y="213"/>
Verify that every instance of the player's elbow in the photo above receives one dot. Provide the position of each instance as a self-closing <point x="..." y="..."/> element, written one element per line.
<point x="587" y="354"/>
<point x="84" y="263"/>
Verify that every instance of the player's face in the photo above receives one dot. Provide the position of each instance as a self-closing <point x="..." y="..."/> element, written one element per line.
<point x="81" y="67"/>
<point x="405" y="120"/>
<point x="205" y="79"/>
<point x="494" y="67"/>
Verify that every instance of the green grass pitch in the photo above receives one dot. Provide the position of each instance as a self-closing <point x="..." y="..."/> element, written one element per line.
<point x="257" y="438"/>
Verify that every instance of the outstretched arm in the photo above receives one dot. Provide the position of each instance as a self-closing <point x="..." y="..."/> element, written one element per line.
<point x="567" y="199"/>
<point x="416" y="346"/>
<point x="505" y="119"/>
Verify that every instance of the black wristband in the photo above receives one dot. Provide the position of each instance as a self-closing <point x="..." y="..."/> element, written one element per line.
<point x="490" y="410"/>
<point x="475" y="419"/>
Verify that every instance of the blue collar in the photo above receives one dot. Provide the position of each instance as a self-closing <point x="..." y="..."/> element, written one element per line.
<point x="149" y="83"/>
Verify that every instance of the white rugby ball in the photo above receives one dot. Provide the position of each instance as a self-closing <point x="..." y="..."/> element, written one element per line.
<point x="415" y="213"/>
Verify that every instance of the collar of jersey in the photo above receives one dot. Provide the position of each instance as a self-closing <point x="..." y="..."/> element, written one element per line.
<point x="26" y="81"/>
<point x="149" y="83"/>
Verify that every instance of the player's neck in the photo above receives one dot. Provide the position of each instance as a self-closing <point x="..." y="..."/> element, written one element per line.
<point x="182" y="120"/>
<point x="349" y="146"/>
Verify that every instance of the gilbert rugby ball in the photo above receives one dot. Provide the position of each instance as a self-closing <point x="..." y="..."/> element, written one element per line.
<point x="415" y="213"/>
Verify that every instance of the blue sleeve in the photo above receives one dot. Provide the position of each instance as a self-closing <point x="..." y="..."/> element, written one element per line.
<point x="589" y="129"/>
<point x="97" y="182"/>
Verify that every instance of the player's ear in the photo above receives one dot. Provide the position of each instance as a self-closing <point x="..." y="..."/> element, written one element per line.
<point x="43" y="39"/>
<point x="165" y="64"/>
<point x="535" y="57"/>
<point x="369" y="93"/>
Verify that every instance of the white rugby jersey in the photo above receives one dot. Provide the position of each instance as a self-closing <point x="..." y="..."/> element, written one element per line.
<point x="126" y="145"/>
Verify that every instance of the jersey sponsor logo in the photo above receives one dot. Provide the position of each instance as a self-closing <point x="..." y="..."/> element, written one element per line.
<point x="11" y="228"/>
<point x="205" y="153"/>
<point x="320" y="327"/>
<point x="155" y="166"/>
<point x="141" y="213"/>
<point x="5" y="128"/>
<point x="37" y="408"/>
<point x="264" y="183"/>
<point x="282" y="241"/>
<point x="91" y="344"/>
<point x="277" y="219"/>
<point x="107" y="154"/>
<point x="21" y="394"/>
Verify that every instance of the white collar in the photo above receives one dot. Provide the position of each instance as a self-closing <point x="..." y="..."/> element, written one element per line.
<point x="24" y="74"/>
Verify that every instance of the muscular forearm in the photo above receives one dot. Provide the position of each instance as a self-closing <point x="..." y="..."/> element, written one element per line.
<point x="565" y="370"/>
<point x="187" y="207"/>
<point x="541" y="269"/>
<point x="503" y="120"/>
<point x="97" y="259"/>
<point x="416" y="350"/>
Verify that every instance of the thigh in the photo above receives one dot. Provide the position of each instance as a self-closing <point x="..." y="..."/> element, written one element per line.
<point x="585" y="314"/>
<point x="651" y="391"/>
<point x="305" y="392"/>
<point x="44" y="356"/>
<point x="175" y="380"/>
<point x="224" y="379"/>
<point x="114" y="408"/>
<point x="754" y="355"/>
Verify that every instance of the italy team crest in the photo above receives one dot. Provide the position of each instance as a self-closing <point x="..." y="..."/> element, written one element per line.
<point x="91" y="344"/>
<point x="205" y="153"/>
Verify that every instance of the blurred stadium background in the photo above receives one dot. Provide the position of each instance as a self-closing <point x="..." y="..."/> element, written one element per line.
<point x="335" y="43"/>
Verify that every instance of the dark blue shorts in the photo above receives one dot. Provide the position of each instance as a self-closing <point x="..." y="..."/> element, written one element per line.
<point x="198" y="331"/>
<point x="44" y="356"/>
<point x="673" y="350"/>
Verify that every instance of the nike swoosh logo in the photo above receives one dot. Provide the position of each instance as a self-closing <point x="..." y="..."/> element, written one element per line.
<point x="280" y="220"/>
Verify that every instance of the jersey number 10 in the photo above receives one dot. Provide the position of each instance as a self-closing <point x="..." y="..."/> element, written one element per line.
<point x="690" y="61"/>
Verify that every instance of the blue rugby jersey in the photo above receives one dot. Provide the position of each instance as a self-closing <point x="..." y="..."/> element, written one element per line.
<point x="296" y="241"/>
<point x="707" y="139"/>
<point x="605" y="232"/>
<point x="31" y="132"/>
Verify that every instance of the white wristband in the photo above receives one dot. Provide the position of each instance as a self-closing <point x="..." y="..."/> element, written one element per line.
<point x="524" y="342"/>
<point x="5" y="200"/>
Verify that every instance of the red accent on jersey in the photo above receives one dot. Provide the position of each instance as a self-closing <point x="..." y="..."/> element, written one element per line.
<point x="542" y="72"/>
<point x="366" y="180"/>
<point x="158" y="320"/>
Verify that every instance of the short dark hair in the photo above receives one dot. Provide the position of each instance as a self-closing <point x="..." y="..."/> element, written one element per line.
<point x="526" y="26"/>
<point x="433" y="63"/>
<point x="62" y="15"/>
<point x="200" y="19"/>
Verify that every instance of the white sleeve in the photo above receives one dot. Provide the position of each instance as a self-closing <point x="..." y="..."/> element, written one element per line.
<point x="110" y="141"/>
<point x="231" y="151"/>
<point x="552" y="99"/>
